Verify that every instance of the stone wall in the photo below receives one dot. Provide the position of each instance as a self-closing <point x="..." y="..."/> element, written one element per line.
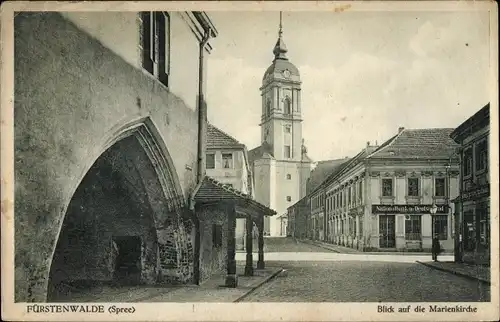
<point x="213" y="260"/>
<point x="73" y="96"/>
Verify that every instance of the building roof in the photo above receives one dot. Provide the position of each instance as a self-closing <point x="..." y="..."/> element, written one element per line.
<point x="211" y="191"/>
<point x="322" y="170"/>
<point x="417" y="144"/>
<point x="217" y="139"/>
<point x="477" y="121"/>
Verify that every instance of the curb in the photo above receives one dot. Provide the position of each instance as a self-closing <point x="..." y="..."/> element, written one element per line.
<point x="456" y="273"/>
<point x="239" y="299"/>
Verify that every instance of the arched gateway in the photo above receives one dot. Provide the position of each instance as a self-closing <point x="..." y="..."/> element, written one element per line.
<point x="124" y="223"/>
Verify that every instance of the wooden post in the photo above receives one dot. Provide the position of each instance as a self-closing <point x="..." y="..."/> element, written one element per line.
<point x="249" y="242"/>
<point x="260" y="226"/>
<point x="231" y="277"/>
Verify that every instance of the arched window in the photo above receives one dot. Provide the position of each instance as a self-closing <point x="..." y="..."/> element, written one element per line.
<point x="287" y="106"/>
<point x="268" y="107"/>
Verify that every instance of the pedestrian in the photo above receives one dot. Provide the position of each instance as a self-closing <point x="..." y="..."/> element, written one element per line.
<point x="436" y="247"/>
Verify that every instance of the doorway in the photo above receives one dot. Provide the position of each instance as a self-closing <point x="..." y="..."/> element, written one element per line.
<point x="128" y="260"/>
<point x="386" y="226"/>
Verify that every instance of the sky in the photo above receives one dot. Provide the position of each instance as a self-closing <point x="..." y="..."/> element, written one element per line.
<point x="364" y="74"/>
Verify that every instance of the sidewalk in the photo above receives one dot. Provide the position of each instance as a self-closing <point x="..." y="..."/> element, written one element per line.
<point x="348" y="250"/>
<point x="475" y="272"/>
<point x="212" y="290"/>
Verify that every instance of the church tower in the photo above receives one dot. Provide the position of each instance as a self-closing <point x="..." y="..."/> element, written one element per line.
<point x="281" y="120"/>
<point x="280" y="164"/>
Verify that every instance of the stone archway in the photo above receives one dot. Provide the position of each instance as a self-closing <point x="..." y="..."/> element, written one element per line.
<point x="122" y="223"/>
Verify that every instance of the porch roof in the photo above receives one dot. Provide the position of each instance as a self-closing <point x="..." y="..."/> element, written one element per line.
<point x="210" y="191"/>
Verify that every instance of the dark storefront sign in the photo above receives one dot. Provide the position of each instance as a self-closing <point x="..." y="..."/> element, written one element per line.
<point x="408" y="209"/>
<point x="476" y="193"/>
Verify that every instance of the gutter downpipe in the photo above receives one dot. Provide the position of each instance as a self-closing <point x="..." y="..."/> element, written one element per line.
<point x="202" y="130"/>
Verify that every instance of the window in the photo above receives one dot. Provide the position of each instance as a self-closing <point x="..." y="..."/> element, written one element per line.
<point x="227" y="160"/>
<point x="210" y="161"/>
<point x="287" y="129"/>
<point x="156" y="44"/>
<point x="360" y="226"/>
<point x="287" y="152"/>
<point x="413" y="227"/>
<point x="481" y="155"/>
<point x="441" y="226"/>
<point x="288" y="198"/>
<point x="387" y="187"/>
<point x="467" y="162"/>
<point x="439" y="184"/>
<point x="268" y="107"/>
<point x="360" y="191"/>
<point x="287" y="106"/>
<point x="289" y="176"/>
<point x="216" y="236"/>
<point x="413" y="187"/>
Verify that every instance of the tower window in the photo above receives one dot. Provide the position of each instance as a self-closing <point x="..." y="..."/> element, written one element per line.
<point x="289" y="176"/>
<point x="268" y="107"/>
<point x="288" y="198"/>
<point x="287" y="152"/>
<point x="287" y="128"/>
<point x="287" y="106"/>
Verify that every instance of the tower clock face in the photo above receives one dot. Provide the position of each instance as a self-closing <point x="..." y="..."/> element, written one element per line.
<point x="286" y="73"/>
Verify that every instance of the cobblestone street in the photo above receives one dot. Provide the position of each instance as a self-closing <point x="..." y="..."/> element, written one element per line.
<point x="315" y="275"/>
<point x="366" y="281"/>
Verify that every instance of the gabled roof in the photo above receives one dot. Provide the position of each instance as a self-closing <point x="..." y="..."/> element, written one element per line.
<point x="260" y="151"/>
<point x="210" y="190"/>
<point x="322" y="170"/>
<point x="217" y="139"/>
<point x="417" y="144"/>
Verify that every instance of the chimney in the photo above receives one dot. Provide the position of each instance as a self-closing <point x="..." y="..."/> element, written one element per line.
<point x="400" y="129"/>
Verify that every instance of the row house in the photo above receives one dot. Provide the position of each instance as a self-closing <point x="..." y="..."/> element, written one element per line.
<point x="226" y="161"/>
<point x="395" y="196"/>
<point x="472" y="206"/>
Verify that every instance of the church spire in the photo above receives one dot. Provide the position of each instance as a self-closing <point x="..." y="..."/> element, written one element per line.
<point x="280" y="48"/>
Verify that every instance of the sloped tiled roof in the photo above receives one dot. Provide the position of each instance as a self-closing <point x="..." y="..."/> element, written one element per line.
<point x="211" y="190"/>
<point x="479" y="120"/>
<point x="322" y="170"/>
<point x="216" y="138"/>
<point x="418" y="144"/>
<point x="258" y="152"/>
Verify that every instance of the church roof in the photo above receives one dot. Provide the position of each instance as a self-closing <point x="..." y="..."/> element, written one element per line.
<point x="418" y="144"/>
<point x="216" y="138"/>
<point x="322" y="170"/>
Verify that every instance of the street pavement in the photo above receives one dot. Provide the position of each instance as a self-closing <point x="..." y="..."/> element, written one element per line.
<point x="315" y="275"/>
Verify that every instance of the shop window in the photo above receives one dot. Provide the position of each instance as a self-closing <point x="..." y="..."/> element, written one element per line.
<point x="413" y="190"/>
<point x="210" y="161"/>
<point x="469" y="233"/>
<point x="467" y="162"/>
<point x="483" y="215"/>
<point x="227" y="160"/>
<point x="441" y="226"/>
<point x="216" y="236"/>
<point x="440" y="189"/>
<point x="413" y="227"/>
<point x="156" y="44"/>
<point x="481" y="155"/>
<point x="387" y="188"/>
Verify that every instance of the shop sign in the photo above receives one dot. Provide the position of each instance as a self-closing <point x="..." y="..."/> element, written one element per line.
<point x="477" y="193"/>
<point x="408" y="209"/>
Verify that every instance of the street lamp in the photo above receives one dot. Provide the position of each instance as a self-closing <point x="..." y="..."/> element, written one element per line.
<point x="433" y="211"/>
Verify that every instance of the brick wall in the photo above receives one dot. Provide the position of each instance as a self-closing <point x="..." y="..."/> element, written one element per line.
<point x="71" y="97"/>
